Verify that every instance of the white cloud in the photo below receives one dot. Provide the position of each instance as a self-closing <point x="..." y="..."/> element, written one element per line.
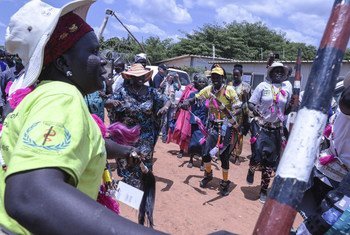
<point x="297" y="36"/>
<point x="2" y="25"/>
<point x="109" y="1"/>
<point x="106" y="32"/>
<point x="155" y="10"/>
<point x="233" y="12"/>
<point x="133" y="17"/>
<point x="149" y="29"/>
<point x="309" y="24"/>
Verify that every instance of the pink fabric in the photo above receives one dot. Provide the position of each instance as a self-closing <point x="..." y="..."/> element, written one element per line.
<point x="7" y="89"/>
<point x="121" y="134"/>
<point x="327" y="131"/>
<point x="202" y="140"/>
<point x="207" y="103"/>
<point x="100" y="124"/>
<point x="182" y="131"/>
<point x="107" y="201"/>
<point x="283" y="92"/>
<point x="327" y="159"/>
<point x="253" y="140"/>
<point x="17" y="97"/>
<point x="215" y="103"/>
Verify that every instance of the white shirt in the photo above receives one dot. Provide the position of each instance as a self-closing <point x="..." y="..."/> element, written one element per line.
<point x="271" y="100"/>
<point x="341" y="137"/>
<point x="118" y="82"/>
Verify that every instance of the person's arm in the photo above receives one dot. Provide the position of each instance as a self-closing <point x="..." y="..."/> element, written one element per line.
<point x="162" y="84"/>
<point x="115" y="150"/>
<point x="165" y="108"/>
<point x="178" y="82"/>
<point x="203" y="94"/>
<point x="42" y="202"/>
<point x="253" y="107"/>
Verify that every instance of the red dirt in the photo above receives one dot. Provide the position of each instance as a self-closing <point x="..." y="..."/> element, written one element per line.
<point x="182" y="207"/>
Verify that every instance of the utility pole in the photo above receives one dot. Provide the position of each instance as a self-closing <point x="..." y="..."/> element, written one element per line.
<point x="292" y="176"/>
<point x="213" y="51"/>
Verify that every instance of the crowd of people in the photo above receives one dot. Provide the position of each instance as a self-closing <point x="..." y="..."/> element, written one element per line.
<point x="56" y="98"/>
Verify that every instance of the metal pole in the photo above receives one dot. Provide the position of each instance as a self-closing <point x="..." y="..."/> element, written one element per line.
<point x="102" y="28"/>
<point x="112" y="13"/>
<point x="294" y="170"/>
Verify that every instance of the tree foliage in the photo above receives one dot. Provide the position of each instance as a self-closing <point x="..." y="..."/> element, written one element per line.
<point x="240" y="41"/>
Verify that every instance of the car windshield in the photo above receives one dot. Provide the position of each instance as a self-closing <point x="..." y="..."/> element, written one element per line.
<point x="184" y="79"/>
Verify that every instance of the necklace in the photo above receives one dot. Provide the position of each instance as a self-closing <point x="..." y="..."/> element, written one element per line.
<point x="216" y="91"/>
<point x="135" y="91"/>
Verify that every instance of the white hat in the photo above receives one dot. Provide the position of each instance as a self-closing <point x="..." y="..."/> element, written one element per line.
<point x="30" y="29"/>
<point x="275" y="65"/>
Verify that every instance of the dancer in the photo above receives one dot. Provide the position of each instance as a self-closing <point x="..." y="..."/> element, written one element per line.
<point x="54" y="151"/>
<point x="169" y="85"/>
<point x="270" y="102"/>
<point x="243" y="91"/>
<point x="222" y="101"/>
<point x="199" y="114"/>
<point x="140" y="105"/>
<point x="181" y="134"/>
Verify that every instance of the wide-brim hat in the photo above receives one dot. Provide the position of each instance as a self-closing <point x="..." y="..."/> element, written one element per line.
<point x="276" y="65"/>
<point x="137" y="70"/>
<point x="30" y="29"/>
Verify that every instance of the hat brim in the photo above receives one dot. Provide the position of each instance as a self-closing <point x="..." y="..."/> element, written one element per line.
<point x="35" y="64"/>
<point x="286" y="71"/>
<point x="128" y="75"/>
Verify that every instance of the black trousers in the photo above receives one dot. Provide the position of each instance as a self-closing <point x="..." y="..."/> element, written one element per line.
<point x="224" y="152"/>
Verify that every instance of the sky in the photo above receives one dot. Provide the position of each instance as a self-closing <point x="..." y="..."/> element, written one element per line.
<point x="300" y="20"/>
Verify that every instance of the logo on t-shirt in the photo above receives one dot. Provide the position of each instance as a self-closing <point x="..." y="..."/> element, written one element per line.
<point x="48" y="136"/>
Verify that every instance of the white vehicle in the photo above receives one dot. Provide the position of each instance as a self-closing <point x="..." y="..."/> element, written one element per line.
<point x="184" y="79"/>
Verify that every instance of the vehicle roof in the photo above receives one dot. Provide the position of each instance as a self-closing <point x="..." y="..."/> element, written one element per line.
<point x="155" y="67"/>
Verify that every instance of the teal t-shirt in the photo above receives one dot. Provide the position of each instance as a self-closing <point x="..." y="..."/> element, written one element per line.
<point x="52" y="127"/>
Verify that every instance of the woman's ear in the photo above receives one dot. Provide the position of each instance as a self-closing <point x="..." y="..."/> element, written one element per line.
<point x="61" y="65"/>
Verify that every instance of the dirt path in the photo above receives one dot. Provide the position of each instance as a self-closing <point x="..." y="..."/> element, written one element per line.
<point x="182" y="207"/>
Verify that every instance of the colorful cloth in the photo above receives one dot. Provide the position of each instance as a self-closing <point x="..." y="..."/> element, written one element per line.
<point x="226" y="95"/>
<point x="139" y="110"/>
<point x="96" y="104"/>
<point x="182" y="132"/>
<point x="201" y="111"/>
<point x="35" y="137"/>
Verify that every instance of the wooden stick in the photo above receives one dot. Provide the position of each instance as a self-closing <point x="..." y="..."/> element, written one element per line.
<point x="294" y="170"/>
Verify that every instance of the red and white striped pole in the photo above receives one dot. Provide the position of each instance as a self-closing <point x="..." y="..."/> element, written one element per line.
<point x="278" y="213"/>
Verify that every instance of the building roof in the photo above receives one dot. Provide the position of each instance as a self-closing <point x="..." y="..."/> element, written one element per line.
<point x="193" y="56"/>
<point x="221" y="60"/>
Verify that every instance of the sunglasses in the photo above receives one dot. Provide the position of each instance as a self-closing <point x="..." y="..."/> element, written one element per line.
<point x="143" y="77"/>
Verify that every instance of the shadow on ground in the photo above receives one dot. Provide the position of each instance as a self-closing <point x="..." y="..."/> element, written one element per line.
<point x="251" y="192"/>
<point x="168" y="183"/>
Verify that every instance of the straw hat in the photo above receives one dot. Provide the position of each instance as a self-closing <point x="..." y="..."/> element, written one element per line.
<point x="30" y="29"/>
<point x="137" y="70"/>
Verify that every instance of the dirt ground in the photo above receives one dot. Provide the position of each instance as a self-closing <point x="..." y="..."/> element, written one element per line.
<point x="182" y="207"/>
